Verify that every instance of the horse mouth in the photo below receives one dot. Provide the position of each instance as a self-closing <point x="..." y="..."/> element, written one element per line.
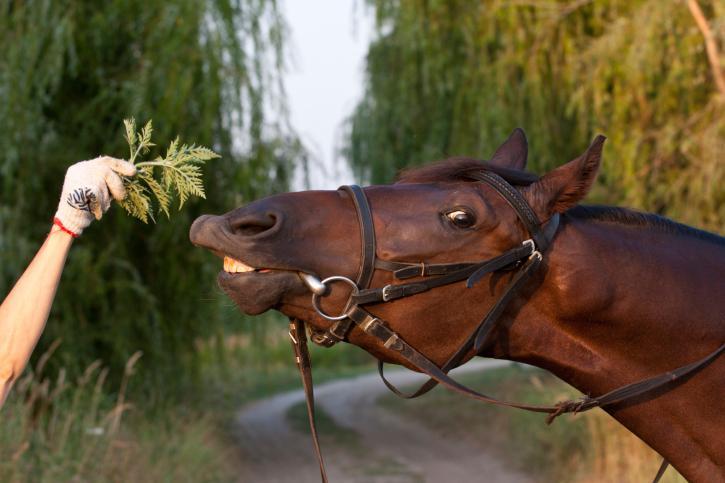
<point x="232" y="265"/>
<point x="256" y="290"/>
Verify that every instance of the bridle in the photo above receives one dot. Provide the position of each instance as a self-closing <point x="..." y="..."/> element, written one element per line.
<point x="523" y="260"/>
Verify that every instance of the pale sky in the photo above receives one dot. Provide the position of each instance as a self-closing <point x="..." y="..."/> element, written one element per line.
<point x="329" y="40"/>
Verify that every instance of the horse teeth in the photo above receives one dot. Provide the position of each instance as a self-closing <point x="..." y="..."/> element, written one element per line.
<point x="235" y="266"/>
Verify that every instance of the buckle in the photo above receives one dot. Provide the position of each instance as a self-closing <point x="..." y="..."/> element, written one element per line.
<point x="323" y="339"/>
<point x="387" y="295"/>
<point x="534" y="252"/>
<point x="370" y="324"/>
<point x="392" y="341"/>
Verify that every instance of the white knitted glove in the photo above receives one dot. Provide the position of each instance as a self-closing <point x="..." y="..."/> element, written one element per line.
<point x="86" y="191"/>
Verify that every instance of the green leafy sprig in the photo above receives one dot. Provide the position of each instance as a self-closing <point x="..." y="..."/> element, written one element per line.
<point x="176" y="174"/>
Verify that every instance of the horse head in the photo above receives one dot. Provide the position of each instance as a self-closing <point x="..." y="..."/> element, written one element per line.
<point x="433" y="215"/>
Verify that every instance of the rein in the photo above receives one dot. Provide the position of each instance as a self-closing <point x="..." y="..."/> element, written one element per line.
<point x="523" y="259"/>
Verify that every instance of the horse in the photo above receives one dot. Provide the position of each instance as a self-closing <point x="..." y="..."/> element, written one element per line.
<point x="617" y="295"/>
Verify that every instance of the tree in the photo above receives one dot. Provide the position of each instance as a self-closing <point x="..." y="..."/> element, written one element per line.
<point x="70" y="72"/>
<point x="456" y="77"/>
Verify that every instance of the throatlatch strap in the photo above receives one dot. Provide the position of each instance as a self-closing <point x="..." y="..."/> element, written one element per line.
<point x="495" y="312"/>
<point x="302" y="357"/>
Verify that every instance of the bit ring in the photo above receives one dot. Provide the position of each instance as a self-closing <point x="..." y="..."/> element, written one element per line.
<point x="316" y="297"/>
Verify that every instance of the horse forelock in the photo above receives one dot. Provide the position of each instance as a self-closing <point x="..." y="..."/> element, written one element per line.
<point x="464" y="170"/>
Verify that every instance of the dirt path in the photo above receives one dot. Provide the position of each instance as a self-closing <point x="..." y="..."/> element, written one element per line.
<point x="376" y="446"/>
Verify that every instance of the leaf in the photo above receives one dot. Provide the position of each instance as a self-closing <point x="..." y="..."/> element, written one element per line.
<point x="180" y="174"/>
<point x="145" y="142"/>
<point x="130" y="125"/>
<point x="137" y="203"/>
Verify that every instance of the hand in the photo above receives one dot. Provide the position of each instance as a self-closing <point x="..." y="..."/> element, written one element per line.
<point x="86" y="191"/>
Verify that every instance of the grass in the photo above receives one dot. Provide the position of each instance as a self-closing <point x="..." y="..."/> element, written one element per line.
<point x="64" y="428"/>
<point x="590" y="447"/>
<point x="81" y="430"/>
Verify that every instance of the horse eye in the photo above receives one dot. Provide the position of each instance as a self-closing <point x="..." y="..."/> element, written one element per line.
<point x="461" y="219"/>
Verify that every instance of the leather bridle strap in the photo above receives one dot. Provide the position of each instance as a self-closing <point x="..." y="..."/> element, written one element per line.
<point x="477" y="337"/>
<point x="367" y="234"/>
<point x="514" y="198"/>
<point x="630" y="391"/>
<point x="661" y="471"/>
<point x="339" y="330"/>
<point x="302" y="357"/>
<point x="377" y="328"/>
<point x="472" y="273"/>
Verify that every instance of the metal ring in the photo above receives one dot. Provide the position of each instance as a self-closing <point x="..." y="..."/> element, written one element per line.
<point x="316" y="297"/>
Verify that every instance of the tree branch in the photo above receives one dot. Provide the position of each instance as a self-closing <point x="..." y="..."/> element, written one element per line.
<point x="710" y="44"/>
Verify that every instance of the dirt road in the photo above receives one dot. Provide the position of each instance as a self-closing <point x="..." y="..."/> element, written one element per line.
<point x="375" y="446"/>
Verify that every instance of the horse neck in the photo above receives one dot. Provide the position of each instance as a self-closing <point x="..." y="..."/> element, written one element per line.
<point x="620" y="303"/>
<point x="609" y="291"/>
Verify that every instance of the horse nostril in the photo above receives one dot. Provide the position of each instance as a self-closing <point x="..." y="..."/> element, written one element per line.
<point x="253" y="224"/>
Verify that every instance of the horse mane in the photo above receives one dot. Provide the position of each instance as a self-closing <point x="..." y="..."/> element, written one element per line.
<point x="627" y="216"/>
<point x="462" y="169"/>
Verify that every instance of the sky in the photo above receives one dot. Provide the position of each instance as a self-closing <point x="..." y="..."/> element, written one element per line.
<point x="329" y="40"/>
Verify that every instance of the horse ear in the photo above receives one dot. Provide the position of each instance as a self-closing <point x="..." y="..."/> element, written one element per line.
<point x="567" y="185"/>
<point x="512" y="153"/>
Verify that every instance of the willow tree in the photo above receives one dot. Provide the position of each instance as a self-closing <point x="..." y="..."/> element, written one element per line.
<point x="70" y="72"/>
<point x="456" y="77"/>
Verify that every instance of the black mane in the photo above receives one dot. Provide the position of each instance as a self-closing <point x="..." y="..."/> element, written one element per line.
<point x="626" y="216"/>
<point x="463" y="169"/>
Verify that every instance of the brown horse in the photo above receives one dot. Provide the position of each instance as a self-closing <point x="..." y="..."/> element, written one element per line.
<point x="620" y="296"/>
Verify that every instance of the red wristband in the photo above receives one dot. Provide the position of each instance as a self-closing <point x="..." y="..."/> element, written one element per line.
<point x="60" y="225"/>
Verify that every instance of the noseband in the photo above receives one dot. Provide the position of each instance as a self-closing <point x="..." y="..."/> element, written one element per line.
<point x="522" y="260"/>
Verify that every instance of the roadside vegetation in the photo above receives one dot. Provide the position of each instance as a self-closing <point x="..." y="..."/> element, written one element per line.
<point x="64" y="427"/>
<point x="81" y="428"/>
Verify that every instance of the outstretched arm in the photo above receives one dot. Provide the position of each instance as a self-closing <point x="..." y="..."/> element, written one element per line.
<point x="25" y="310"/>
<point x="87" y="192"/>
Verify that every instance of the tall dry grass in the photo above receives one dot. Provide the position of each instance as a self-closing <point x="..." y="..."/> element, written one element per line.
<point x="618" y="456"/>
<point x="64" y="429"/>
<point x="599" y="449"/>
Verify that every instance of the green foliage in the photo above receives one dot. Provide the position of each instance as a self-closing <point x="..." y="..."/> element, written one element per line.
<point x="69" y="70"/>
<point x="455" y="77"/>
<point x="180" y="172"/>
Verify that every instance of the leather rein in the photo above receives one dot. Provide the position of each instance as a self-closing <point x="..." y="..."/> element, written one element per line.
<point x="523" y="260"/>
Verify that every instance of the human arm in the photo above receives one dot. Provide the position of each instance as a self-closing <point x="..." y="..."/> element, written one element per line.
<point x="25" y="310"/>
<point x="87" y="192"/>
